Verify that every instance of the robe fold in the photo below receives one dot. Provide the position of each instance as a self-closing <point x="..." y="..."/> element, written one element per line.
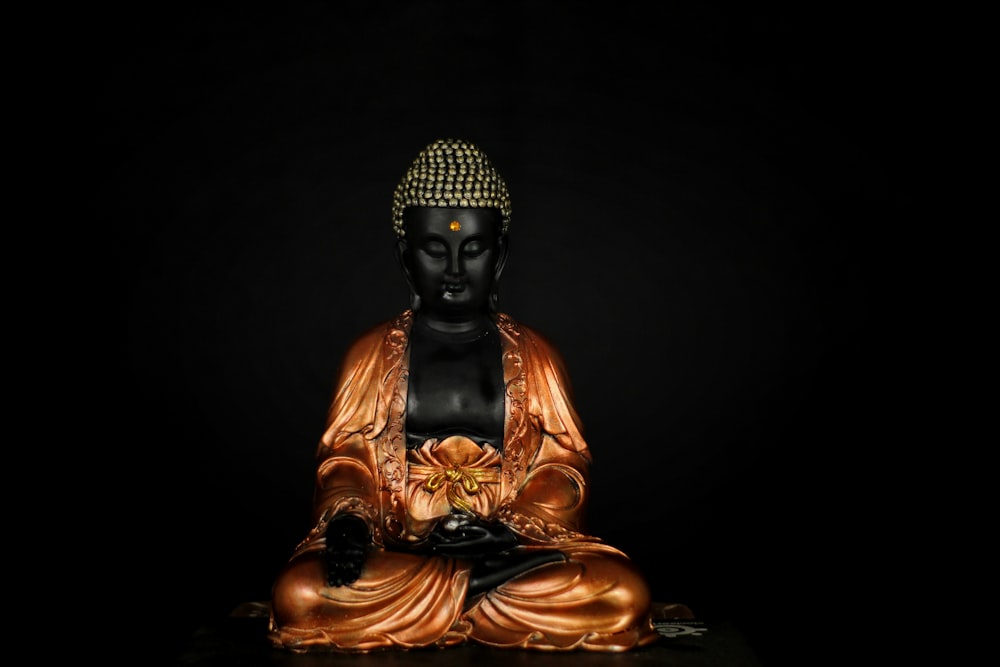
<point x="536" y="484"/>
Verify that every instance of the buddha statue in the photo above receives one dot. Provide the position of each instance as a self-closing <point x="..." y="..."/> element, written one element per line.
<point x="452" y="477"/>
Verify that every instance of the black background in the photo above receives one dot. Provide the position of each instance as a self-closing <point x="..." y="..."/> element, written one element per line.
<point x="701" y="203"/>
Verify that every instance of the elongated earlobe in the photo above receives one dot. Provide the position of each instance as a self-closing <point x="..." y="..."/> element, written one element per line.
<point x="402" y="248"/>
<point x="504" y="248"/>
<point x="503" y="245"/>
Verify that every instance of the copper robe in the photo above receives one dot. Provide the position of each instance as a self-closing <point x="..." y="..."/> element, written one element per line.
<point x="536" y="485"/>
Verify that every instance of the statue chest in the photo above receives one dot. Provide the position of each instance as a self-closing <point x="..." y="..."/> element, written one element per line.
<point x="455" y="388"/>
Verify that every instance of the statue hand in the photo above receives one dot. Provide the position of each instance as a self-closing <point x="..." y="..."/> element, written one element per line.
<point x="347" y="544"/>
<point x="466" y="536"/>
<point x="491" y="571"/>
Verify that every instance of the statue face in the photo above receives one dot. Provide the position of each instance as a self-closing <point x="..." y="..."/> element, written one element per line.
<point x="452" y="257"/>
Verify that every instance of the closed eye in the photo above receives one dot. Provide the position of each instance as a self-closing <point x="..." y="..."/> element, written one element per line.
<point x="474" y="248"/>
<point x="434" y="249"/>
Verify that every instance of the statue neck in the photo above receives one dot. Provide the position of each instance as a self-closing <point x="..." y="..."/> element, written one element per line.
<point x="457" y="329"/>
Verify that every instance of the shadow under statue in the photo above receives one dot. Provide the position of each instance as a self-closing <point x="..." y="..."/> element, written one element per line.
<point x="453" y="473"/>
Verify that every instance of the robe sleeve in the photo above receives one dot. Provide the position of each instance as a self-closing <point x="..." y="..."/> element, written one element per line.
<point x="550" y="504"/>
<point x="347" y="472"/>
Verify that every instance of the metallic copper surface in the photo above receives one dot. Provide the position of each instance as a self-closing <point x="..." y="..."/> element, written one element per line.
<point x="537" y="485"/>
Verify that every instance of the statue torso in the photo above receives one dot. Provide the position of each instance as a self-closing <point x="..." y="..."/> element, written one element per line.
<point x="455" y="387"/>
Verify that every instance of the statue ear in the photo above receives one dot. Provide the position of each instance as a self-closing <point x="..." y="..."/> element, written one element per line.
<point x="503" y="248"/>
<point x="403" y="257"/>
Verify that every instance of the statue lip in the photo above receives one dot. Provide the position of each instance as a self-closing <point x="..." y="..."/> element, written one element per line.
<point x="454" y="287"/>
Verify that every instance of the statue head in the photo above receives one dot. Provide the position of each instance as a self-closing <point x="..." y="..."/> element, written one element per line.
<point x="451" y="214"/>
<point x="450" y="173"/>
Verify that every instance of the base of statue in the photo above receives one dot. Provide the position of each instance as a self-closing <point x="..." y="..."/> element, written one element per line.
<point x="240" y="640"/>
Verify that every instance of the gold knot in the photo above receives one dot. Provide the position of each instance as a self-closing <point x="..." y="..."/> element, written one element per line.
<point x="459" y="479"/>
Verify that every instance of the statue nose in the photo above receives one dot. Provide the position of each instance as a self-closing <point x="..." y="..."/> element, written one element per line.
<point x="456" y="266"/>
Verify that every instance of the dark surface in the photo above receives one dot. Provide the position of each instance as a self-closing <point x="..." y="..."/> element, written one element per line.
<point x="239" y="640"/>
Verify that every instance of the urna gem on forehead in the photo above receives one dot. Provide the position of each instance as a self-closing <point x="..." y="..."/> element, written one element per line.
<point x="452" y="219"/>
